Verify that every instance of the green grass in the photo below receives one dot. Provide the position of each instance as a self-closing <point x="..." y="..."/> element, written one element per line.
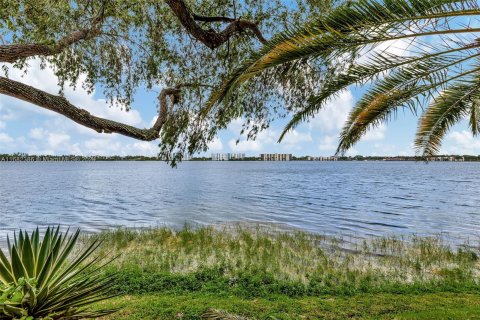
<point x="365" y="306"/>
<point x="261" y="271"/>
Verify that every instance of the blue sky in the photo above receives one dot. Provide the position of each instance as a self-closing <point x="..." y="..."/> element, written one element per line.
<point x="28" y="128"/>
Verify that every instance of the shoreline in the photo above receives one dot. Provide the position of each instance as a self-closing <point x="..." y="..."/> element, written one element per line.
<point x="272" y="249"/>
<point x="228" y="267"/>
<point x="349" y="241"/>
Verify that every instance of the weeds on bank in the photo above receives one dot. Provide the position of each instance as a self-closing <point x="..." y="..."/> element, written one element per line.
<point x="263" y="261"/>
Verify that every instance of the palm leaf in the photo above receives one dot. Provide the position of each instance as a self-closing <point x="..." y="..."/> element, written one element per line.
<point x="475" y="117"/>
<point x="401" y="89"/>
<point x="350" y="34"/>
<point x="446" y="110"/>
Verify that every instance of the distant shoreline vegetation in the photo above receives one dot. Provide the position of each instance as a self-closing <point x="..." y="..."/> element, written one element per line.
<point x="23" y="157"/>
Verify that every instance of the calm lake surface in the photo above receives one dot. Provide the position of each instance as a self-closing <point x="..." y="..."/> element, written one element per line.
<point x="358" y="199"/>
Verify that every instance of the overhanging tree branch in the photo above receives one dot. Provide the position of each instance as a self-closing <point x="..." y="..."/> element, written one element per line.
<point x="62" y="106"/>
<point x="14" y="52"/>
<point x="197" y="17"/>
<point x="210" y="37"/>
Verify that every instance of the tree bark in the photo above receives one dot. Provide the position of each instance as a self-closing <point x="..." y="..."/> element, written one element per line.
<point x="211" y="38"/>
<point x="61" y="105"/>
<point x="14" y="52"/>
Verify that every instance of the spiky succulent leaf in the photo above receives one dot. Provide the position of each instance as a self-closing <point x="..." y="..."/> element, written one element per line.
<point x="45" y="281"/>
<point x="213" y="314"/>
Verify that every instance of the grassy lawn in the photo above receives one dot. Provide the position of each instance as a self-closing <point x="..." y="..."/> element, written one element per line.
<point x="261" y="273"/>
<point x="366" y="306"/>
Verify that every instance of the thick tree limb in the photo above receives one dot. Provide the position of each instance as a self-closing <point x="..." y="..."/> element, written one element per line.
<point x="14" y="52"/>
<point x="60" y="105"/>
<point x="211" y="38"/>
<point x="197" y="17"/>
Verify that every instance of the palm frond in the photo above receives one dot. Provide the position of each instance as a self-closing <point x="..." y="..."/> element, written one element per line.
<point x="446" y="110"/>
<point x="378" y="64"/>
<point x="348" y="27"/>
<point x="349" y="35"/>
<point x="475" y="117"/>
<point x="404" y="88"/>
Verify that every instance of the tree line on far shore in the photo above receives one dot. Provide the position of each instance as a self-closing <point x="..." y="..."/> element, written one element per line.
<point x="60" y="158"/>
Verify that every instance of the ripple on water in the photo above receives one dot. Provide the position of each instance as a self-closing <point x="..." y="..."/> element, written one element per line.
<point x="361" y="198"/>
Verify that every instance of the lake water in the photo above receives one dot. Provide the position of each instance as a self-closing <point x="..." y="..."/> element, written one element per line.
<point x="359" y="199"/>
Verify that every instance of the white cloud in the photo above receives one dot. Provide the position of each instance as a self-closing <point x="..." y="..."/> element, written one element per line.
<point x="5" y="115"/>
<point x="332" y="117"/>
<point x="388" y="149"/>
<point x="102" y="146"/>
<point x="328" y="143"/>
<point x="461" y="142"/>
<point x="215" y="145"/>
<point x="294" y="137"/>
<point x="43" y="141"/>
<point x="5" y="138"/>
<point x="328" y="121"/>
<point x="375" y="134"/>
<point x="110" y="145"/>
<point x="235" y="126"/>
<point x="53" y="139"/>
<point x="245" y="145"/>
<point x="74" y="149"/>
<point x="56" y="139"/>
<point x="38" y="133"/>
<point x="144" y="148"/>
<point x="265" y="138"/>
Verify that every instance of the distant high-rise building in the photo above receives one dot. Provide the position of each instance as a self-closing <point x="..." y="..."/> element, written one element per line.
<point x="309" y="158"/>
<point x="237" y="156"/>
<point x="219" y="157"/>
<point x="276" y="157"/>
<point x="227" y="156"/>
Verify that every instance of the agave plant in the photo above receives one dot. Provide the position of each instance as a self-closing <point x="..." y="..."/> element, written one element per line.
<point x="40" y="280"/>
<point x="419" y="55"/>
<point x="213" y="314"/>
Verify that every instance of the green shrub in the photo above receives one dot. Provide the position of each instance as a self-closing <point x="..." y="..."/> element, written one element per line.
<point x="40" y="280"/>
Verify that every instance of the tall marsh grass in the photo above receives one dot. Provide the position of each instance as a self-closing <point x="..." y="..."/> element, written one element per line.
<point x="292" y="261"/>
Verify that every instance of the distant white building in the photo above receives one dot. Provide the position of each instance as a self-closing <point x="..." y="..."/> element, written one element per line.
<point x="219" y="157"/>
<point x="276" y="157"/>
<point x="237" y="156"/>
<point x="448" y="158"/>
<point x="322" y="158"/>
<point x="227" y="156"/>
